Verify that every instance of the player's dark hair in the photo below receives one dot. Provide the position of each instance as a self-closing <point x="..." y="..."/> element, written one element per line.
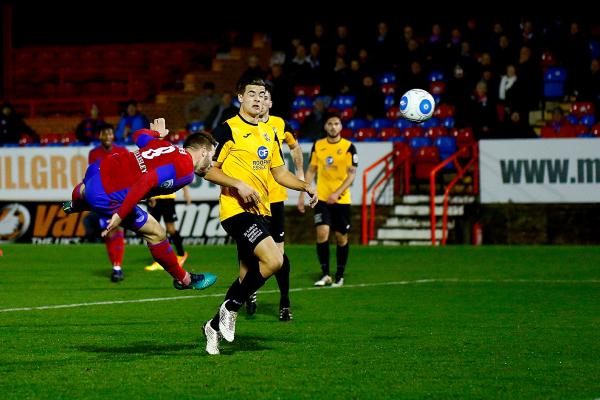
<point x="269" y="88"/>
<point x="330" y="115"/>
<point x="200" y="139"/>
<point x="256" y="81"/>
<point x="106" y="126"/>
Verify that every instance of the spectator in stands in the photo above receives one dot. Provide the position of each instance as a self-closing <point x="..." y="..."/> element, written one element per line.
<point x="131" y="121"/>
<point x="384" y="49"/>
<point x="481" y="113"/>
<point x="558" y="119"/>
<point x="221" y="112"/>
<point x="313" y="126"/>
<point x="530" y="78"/>
<point x="199" y="108"/>
<point x="510" y="94"/>
<point x="591" y="91"/>
<point x="369" y="100"/>
<point x="515" y="127"/>
<point x="458" y="93"/>
<point x="12" y="126"/>
<point x="282" y="91"/>
<point x="300" y="69"/>
<point x="254" y="70"/>
<point x="87" y="131"/>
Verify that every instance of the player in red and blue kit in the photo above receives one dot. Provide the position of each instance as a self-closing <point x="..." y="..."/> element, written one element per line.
<point x="113" y="187"/>
<point x="115" y="242"/>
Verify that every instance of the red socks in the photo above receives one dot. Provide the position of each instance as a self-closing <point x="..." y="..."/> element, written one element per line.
<point x="115" y="246"/>
<point x="163" y="254"/>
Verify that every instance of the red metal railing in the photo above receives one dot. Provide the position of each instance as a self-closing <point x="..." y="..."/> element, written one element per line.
<point x="460" y="172"/>
<point x="394" y="160"/>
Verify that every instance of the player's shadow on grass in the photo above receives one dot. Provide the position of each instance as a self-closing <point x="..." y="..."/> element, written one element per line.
<point x="152" y="348"/>
<point x="243" y="343"/>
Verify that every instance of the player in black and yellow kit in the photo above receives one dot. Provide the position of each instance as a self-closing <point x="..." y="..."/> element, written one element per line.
<point x="247" y="153"/>
<point x="163" y="207"/>
<point x="333" y="160"/>
<point x="277" y="195"/>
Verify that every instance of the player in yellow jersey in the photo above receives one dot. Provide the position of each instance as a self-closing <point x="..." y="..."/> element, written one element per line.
<point x="248" y="152"/>
<point x="333" y="160"/>
<point x="277" y="195"/>
<point x="164" y="207"/>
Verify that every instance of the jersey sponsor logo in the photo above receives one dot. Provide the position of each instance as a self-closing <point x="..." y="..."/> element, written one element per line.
<point x="14" y="221"/>
<point x="262" y="152"/>
<point x="329" y="160"/>
<point x="167" y="184"/>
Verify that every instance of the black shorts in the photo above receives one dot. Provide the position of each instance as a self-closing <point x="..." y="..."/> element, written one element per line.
<point x="248" y="230"/>
<point x="336" y="216"/>
<point x="164" y="208"/>
<point x="277" y="222"/>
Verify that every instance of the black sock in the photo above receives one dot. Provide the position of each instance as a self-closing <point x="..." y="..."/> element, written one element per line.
<point x="342" y="258"/>
<point x="235" y="286"/>
<point x="251" y="283"/>
<point x="178" y="243"/>
<point x="283" y="281"/>
<point x="323" y="254"/>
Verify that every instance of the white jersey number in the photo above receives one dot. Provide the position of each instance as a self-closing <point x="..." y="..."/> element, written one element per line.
<point x="150" y="154"/>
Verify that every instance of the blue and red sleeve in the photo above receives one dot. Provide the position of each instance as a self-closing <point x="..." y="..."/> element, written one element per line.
<point x="142" y="137"/>
<point x="138" y="191"/>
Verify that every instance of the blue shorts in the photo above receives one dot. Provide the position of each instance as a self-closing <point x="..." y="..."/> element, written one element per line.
<point x="105" y="205"/>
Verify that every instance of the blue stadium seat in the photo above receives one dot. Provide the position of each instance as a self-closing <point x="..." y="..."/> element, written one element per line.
<point x="573" y="120"/>
<point x="358" y="123"/>
<point x="448" y="122"/>
<point x="588" y="120"/>
<point x="380" y="123"/>
<point x="387" y="77"/>
<point x="302" y="102"/>
<point x="195" y="126"/>
<point x="419" y="141"/>
<point x="402" y="124"/>
<point x="436" y="76"/>
<point x="433" y="121"/>
<point x="295" y="125"/>
<point x="236" y="102"/>
<point x="554" y="82"/>
<point x="388" y="102"/>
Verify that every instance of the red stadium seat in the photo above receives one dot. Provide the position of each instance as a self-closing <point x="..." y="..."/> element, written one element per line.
<point x="437" y="88"/>
<point x="346" y="133"/>
<point x="444" y="111"/>
<point x="347" y="114"/>
<point x="388" y="88"/>
<point x="582" y="108"/>
<point x="301" y="114"/>
<point x="425" y="160"/>
<point x="365" y="134"/>
<point x="414" y="131"/>
<point x="393" y="113"/>
<point x="436" y="131"/>
<point x="388" y="133"/>
<point x="68" y="138"/>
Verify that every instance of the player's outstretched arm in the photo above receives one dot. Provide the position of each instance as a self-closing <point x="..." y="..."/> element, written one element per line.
<point x="289" y="180"/>
<point x="310" y="175"/>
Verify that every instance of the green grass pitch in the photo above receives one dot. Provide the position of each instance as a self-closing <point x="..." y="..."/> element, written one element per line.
<point x="453" y="322"/>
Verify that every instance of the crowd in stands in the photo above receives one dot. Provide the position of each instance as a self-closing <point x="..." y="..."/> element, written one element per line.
<point x="486" y="76"/>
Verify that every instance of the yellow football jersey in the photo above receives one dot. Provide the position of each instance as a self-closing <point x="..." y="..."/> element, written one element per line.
<point x="285" y="134"/>
<point x="332" y="161"/>
<point x="247" y="152"/>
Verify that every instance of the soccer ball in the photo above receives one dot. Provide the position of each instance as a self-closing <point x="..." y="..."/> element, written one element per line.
<point x="417" y="105"/>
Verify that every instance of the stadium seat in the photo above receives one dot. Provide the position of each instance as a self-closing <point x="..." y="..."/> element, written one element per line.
<point x="195" y="126"/>
<point x="430" y="122"/>
<point x="387" y="77"/>
<point x="402" y="123"/>
<point x="387" y="134"/>
<point x="436" y="76"/>
<point x="581" y="108"/>
<point x="413" y="132"/>
<point x="596" y="130"/>
<point x="347" y="113"/>
<point x="416" y="143"/>
<point x="448" y="122"/>
<point x="25" y="140"/>
<point x="447" y="147"/>
<point x="388" y="102"/>
<point x="393" y="113"/>
<point x="365" y="134"/>
<point x="343" y="101"/>
<point x="588" y="120"/>
<point x="50" y="139"/>
<point x="435" y="132"/>
<point x="358" y="123"/>
<point x="548" y="59"/>
<point x="301" y="114"/>
<point x="437" y="88"/>
<point x="572" y="119"/>
<point x="425" y="160"/>
<point x="444" y="111"/>
<point x="388" y="89"/>
<point x="302" y="102"/>
<point x="295" y="125"/>
<point x="68" y="139"/>
<point x="554" y="82"/>
<point x="346" y="133"/>
<point x="381" y="123"/>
